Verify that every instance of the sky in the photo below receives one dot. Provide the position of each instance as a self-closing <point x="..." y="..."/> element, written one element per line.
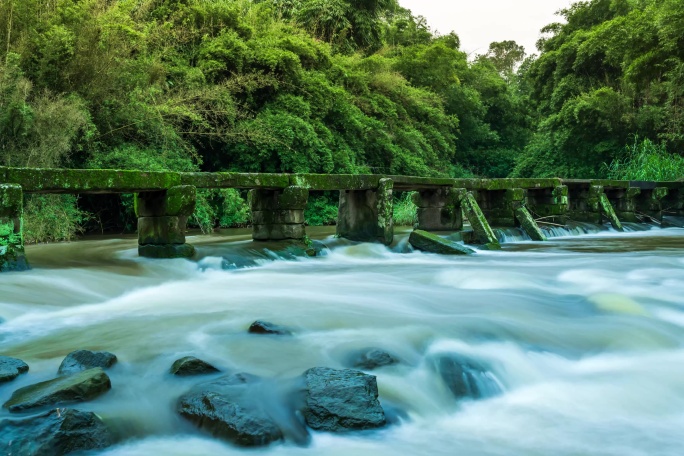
<point x="479" y="22"/>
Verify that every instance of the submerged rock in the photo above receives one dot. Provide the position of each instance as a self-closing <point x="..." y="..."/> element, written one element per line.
<point x="10" y="368"/>
<point x="465" y="377"/>
<point x="55" y="433"/>
<point x="340" y="400"/>
<point x="81" y="360"/>
<point x="229" y="409"/>
<point x="428" y="242"/>
<point x="190" y="365"/>
<point x="371" y="358"/>
<point x="78" y="387"/>
<point x="265" y="327"/>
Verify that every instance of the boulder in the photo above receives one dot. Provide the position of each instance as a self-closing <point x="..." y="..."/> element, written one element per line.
<point x="229" y="409"/>
<point x="265" y="327"/>
<point x="81" y="360"/>
<point x="465" y="377"/>
<point x="54" y="433"/>
<point x="10" y="368"/>
<point x="78" y="387"/>
<point x="371" y="358"/>
<point x="340" y="400"/>
<point x="190" y="365"/>
<point x="429" y="242"/>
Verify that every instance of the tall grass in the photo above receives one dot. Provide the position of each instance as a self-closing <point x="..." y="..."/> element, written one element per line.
<point x="405" y="212"/>
<point x="647" y="161"/>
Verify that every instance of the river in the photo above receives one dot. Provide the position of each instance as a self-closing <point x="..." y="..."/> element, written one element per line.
<point x="584" y="335"/>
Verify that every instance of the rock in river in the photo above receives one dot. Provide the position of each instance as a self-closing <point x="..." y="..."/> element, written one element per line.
<point x="429" y="242"/>
<point x="10" y="368"/>
<point x="54" y="433"/>
<point x="78" y="387"/>
<point x="229" y="409"/>
<point x="265" y="327"/>
<point x="189" y="365"/>
<point x="371" y="358"/>
<point x="465" y="377"/>
<point x="81" y="360"/>
<point x="339" y="400"/>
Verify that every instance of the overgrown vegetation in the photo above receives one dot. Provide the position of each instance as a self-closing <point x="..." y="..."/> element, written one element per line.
<point x="329" y="86"/>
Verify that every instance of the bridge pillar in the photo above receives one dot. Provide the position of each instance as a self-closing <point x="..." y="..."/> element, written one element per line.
<point x="624" y="202"/>
<point x="278" y="214"/>
<point x="439" y="209"/>
<point x="499" y="206"/>
<point x="673" y="203"/>
<point x="549" y="204"/>
<point x="367" y="215"/>
<point x="650" y="202"/>
<point x="162" y="220"/>
<point x="584" y="204"/>
<point x="12" y="256"/>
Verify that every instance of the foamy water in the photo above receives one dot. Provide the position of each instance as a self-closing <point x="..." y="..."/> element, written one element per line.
<point x="584" y="334"/>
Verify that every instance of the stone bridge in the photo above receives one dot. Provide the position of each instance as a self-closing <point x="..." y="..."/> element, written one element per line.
<point x="165" y="200"/>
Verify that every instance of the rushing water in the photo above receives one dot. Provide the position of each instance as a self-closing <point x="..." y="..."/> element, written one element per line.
<point x="585" y="335"/>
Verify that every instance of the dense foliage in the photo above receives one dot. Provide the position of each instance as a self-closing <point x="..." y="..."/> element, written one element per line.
<point x="613" y="72"/>
<point x="326" y="86"/>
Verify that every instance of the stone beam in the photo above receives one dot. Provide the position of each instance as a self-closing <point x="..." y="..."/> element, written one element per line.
<point x="37" y="180"/>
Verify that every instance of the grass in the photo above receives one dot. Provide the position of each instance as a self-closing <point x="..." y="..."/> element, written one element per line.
<point x="646" y="161"/>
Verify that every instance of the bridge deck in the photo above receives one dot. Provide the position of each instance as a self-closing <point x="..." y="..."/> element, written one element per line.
<point x="36" y="180"/>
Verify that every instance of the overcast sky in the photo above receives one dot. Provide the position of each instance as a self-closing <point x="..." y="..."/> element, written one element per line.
<point x="479" y="22"/>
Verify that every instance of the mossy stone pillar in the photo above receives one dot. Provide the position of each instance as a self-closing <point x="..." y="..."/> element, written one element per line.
<point x="12" y="256"/>
<point x="499" y="206"/>
<point x="673" y="203"/>
<point x="278" y="214"/>
<point x="585" y="205"/>
<point x="549" y="204"/>
<point x="367" y="215"/>
<point x="162" y="221"/>
<point x="624" y="203"/>
<point x="650" y="202"/>
<point x="439" y="209"/>
<point x="478" y="222"/>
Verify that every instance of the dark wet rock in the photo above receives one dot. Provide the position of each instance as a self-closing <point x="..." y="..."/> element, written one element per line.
<point x="55" y="433"/>
<point x="10" y="368"/>
<point x="81" y="360"/>
<point x="229" y="409"/>
<point x="371" y="358"/>
<point x="78" y="387"/>
<point x="429" y="242"/>
<point x="465" y="377"/>
<point x="190" y="365"/>
<point x="265" y="327"/>
<point x="340" y="400"/>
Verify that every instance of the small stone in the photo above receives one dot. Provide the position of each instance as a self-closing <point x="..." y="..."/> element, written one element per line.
<point x="10" y="368"/>
<point x="54" y="433"/>
<point x="81" y="360"/>
<point x="371" y="358"/>
<point x="340" y="400"/>
<point x="190" y="365"/>
<point x="429" y="242"/>
<point x="78" y="387"/>
<point x="265" y="327"/>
